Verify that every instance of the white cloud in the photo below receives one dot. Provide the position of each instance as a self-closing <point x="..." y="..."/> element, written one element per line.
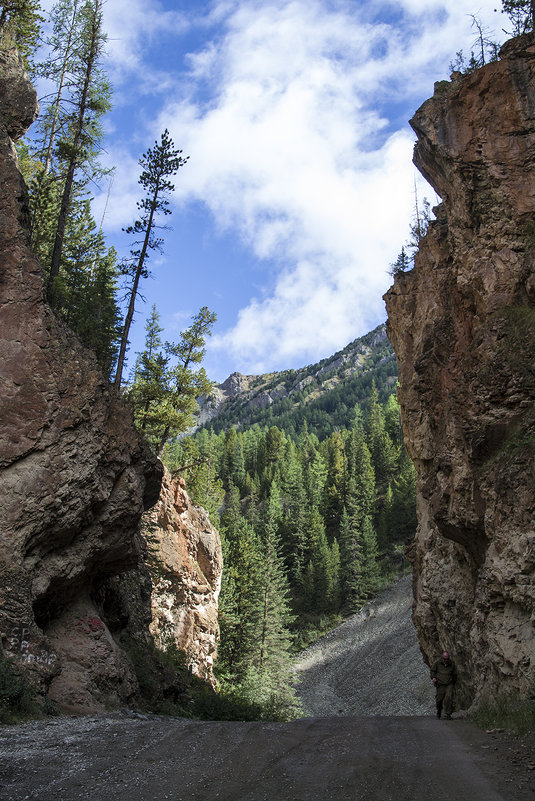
<point x="289" y="116"/>
<point x="130" y="26"/>
<point x="294" y="150"/>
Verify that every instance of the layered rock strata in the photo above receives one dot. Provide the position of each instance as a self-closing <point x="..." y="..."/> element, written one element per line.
<point x="75" y="475"/>
<point x="462" y="323"/>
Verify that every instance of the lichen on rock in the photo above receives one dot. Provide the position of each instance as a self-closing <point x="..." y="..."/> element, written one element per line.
<point x="462" y="323"/>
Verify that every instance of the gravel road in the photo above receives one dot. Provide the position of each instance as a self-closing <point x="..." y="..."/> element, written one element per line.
<point x="370" y="665"/>
<point x="344" y="759"/>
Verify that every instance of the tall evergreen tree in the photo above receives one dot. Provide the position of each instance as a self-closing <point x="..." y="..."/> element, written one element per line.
<point x="350" y="561"/>
<point x="21" y="20"/>
<point x="270" y="672"/>
<point x="370" y="571"/>
<point x="166" y="382"/>
<point x="158" y="164"/>
<point x="90" y="97"/>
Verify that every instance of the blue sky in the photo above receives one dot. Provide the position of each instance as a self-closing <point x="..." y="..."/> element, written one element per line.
<point x="299" y="188"/>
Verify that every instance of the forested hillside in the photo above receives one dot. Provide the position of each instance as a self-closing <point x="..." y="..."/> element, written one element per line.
<point x="304" y="471"/>
<point x="312" y="527"/>
<point x="323" y="395"/>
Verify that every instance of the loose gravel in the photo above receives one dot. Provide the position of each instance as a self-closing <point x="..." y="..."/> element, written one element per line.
<point x="370" y="665"/>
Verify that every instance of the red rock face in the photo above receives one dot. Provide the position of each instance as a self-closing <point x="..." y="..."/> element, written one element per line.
<point x="185" y="562"/>
<point x="462" y="323"/>
<point x="75" y="475"/>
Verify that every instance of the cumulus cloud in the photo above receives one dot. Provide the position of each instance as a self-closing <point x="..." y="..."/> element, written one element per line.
<point x="293" y="114"/>
<point x="131" y="25"/>
<point x="293" y="147"/>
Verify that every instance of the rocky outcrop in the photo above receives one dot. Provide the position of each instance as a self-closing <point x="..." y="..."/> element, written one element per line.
<point x="240" y="398"/>
<point x="185" y="562"/>
<point x="462" y="323"/>
<point x="75" y="475"/>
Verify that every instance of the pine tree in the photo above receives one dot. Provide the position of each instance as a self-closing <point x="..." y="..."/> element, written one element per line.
<point x="158" y="164"/>
<point x="403" y="513"/>
<point x="350" y="562"/>
<point x="149" y="385"/>
<point x="242" y="559"/>
<point x="78" y="147"/>
<point x="334" y="577"/>
<point x="166" y="383"/>
<point x="382" y="451"/>
<point x="294" y="515"/>
<point x="270" y="659"/>
<point x="360" y="490"/>
<point x="20" y="20"/>
<point x="334" y="487"/>
<point x="59" y="67"/>
<point x="401" y="264"/>
<point x="370" y="570"/>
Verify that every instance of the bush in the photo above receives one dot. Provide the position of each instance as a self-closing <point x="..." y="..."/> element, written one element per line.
<point x="506" y="711"/>
<point x="17" y="698"/>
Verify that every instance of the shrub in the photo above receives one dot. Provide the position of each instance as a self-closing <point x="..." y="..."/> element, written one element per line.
<point x="17" y="698"/>
<point x="507" y="711"/>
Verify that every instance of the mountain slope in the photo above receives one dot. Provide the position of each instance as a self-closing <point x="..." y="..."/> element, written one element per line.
<point x="370" y="665"/>
<point x="323" y="394"/>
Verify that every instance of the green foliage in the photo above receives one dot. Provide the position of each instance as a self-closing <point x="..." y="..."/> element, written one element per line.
<point x="309" y="528"/>
<point x="166" y="382"/>
<point x="20" y="23"/>
<point x="58" y="162"/>
<point x="507" y="711"/>
<point x="401" y="264"/>
<point x="158" y="165"/>
<point x="168" y="688"/>
<point x="17" y="698"/>
<point x="485" y="50"/>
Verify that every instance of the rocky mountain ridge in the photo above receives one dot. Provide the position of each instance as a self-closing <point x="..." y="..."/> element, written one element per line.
<point x="239" y="399"/>
<point x="463" y="327"/>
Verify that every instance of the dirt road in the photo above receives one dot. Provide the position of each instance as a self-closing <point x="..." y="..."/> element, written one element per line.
<point x="152" y="759"/>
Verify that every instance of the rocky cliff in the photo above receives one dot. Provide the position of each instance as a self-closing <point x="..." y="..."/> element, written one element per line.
<point x="462" y="323"/>
<point x="245" y="399"/>
<point x="75" y="475"/>
<point x="185" y="562"/>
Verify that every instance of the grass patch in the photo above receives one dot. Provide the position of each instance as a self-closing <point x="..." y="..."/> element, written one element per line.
<point x="506" y="711"/>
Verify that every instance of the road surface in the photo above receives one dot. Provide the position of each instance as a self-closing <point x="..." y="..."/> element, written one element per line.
<point x="150" y="758"/>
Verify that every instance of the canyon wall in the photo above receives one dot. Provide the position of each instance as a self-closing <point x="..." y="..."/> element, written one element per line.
<point x="76" y="575"/>
<point x="75" y="475"/>
<point x="462" y="323"/>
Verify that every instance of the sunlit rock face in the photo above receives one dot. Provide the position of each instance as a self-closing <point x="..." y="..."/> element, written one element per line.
<point x="462" y="323"/>
<point x="185" y="563"/>
<point x="75" y="475"/>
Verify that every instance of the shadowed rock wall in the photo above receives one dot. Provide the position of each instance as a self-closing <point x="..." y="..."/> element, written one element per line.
<point x="75" y="476"/>
<point x="462" y="323"/>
